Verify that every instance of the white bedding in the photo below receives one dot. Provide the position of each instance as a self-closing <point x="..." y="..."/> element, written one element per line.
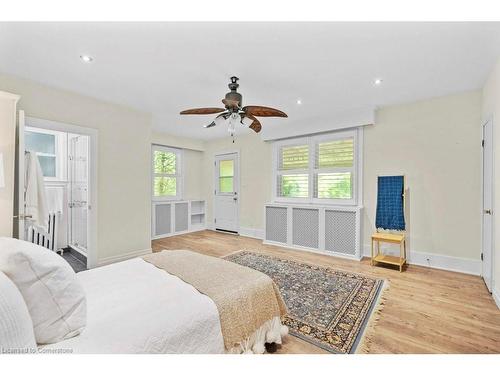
<point x="134" y="307"/>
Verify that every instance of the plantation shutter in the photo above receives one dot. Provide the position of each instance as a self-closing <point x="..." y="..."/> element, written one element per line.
<point x="334" y="169"/>
<point x="317" y="169"/>
<point x="293" y="171"/>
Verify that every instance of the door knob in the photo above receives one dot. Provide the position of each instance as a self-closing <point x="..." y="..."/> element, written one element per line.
<point x="235" y="199"/>
<point x="487" y="212"/>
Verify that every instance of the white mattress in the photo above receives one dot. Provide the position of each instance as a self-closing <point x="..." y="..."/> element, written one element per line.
<point x="134" y="307"/>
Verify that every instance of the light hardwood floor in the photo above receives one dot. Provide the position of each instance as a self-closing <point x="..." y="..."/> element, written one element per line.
<point x="426" y="310"/>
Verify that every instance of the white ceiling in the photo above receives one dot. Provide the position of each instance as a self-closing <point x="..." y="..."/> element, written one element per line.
<point x="163" y="68"/>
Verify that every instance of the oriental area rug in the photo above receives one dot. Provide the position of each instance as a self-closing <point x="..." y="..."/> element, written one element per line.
<point x="326" y="307"/>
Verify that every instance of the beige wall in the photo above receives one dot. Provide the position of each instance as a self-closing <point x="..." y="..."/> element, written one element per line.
<point x="124" y="143"/>
<point x="491" y="109"/>
<point x="166" y="139"/>
<point x="7" y="149"/>
<point x="255" y="176"/>
<point x="193" y="170"/>
<point x="435" y="143"/>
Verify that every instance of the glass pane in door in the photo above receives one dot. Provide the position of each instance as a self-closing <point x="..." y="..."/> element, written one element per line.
<point x="48" y="165"/>
<point x="40" y="142"/>
<point x="226" y="176"/>
<point x="78" y="168"/>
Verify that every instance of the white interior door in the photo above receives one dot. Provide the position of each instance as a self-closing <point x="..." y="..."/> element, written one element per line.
<point x="78" y="191"/>
<point x="226" y="203"/>
<point x="487" y="203"/>
<point x="20" y="215"/>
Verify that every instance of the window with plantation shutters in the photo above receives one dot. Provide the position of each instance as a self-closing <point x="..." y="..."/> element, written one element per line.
<point x="318" y="169"/>
<point x="334" y="168"/>
<point x="293" y="171"/>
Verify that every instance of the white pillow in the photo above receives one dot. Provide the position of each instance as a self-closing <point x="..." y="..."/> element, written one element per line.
<point x="16" y="327"/>
<point x="54" y="296"/>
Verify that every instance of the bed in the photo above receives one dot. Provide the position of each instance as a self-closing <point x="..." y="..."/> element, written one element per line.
<point x="136" y="307"/>
<point x="175" y="301"/>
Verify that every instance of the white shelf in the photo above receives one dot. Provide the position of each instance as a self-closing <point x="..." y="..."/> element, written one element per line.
<point x="174" y="214"/>
<point x="197" y="220"/>
<point x="198" y="206"/>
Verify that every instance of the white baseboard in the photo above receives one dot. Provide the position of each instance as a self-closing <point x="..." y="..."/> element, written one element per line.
<point x="122" y="257"/>
<point x="310" y="250"/>
<point x="251" y="232"/>
<point x="442" y="262"/>
<point x="496" y="296"/>
<point x="246" y="232"/>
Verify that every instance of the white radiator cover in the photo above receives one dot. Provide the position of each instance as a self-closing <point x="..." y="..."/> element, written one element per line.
<point x="332" y="230"/>
<point x="276" y="224"/>
<point x="181" y="217"/>
<point x="170" y="218"/>
<point x="162" y="219"/>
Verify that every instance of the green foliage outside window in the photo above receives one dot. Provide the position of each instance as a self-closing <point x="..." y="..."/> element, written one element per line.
<point x="335" y="185"/>
<point x="165" y="186"/>
<point x="296" y="186"/>
<point x="226" y="174"/>
<point x="164" y="163"/>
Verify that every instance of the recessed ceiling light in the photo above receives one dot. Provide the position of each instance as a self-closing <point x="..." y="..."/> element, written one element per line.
<point x="377" y="82"/>
<point x="299" y="101"/>
<point x="86" y="58"/>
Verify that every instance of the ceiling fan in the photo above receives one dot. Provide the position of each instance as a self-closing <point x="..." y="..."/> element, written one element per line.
<point x="235" y="113"/>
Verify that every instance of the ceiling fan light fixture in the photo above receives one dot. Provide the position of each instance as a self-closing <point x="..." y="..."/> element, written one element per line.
<point x="219" y="120"/>
<point x="234" y="113"/>
<point x="246" y="121"/>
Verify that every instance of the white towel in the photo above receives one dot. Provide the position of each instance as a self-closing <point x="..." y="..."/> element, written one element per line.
<point x="36" y="199"/>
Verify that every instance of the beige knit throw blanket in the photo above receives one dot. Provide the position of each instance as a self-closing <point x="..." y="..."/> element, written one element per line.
<point x="245" y="298"/>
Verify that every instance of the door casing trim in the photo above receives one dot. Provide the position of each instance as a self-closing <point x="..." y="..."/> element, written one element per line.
<point x="238" y="184"/>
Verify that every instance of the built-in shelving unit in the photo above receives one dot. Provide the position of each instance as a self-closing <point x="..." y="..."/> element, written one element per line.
<point x="170" y="218"/>
<point x="198" y="215"/>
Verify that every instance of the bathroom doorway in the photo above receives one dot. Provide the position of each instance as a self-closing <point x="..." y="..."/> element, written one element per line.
<point x="66" y="156"/>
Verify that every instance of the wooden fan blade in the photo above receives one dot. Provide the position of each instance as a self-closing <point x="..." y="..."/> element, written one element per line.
<point x="256" y="110"/>
<point x="230" y="103"/>
<point x="202" y="111"/>
<point x="256" y="125"/>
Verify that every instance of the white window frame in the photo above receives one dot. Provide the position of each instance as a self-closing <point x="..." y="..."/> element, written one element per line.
<point x="179" y="175"/>
<point x="61" y="152"/>
<point x="276" y="172"/>
<point x="312" y="140"/>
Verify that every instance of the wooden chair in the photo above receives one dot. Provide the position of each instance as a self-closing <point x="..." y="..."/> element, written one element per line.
<point x="390" y="216"/>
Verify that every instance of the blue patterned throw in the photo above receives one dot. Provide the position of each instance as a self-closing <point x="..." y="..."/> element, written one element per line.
<point x="390" y="214"/>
